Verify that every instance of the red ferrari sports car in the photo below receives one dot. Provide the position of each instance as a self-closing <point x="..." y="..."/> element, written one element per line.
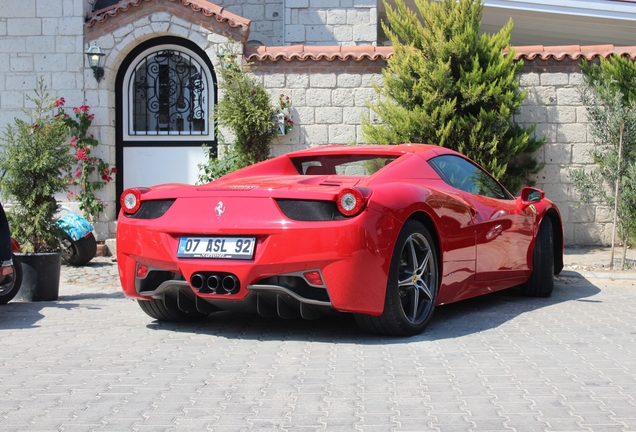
<point x="384" y="232"/>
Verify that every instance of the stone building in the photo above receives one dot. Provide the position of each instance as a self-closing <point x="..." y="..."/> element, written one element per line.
<point x="324" y="54"/>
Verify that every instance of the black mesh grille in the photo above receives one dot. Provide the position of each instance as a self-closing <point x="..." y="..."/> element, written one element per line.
<point x="302" y="210"/>
<point x="151" y="209"/>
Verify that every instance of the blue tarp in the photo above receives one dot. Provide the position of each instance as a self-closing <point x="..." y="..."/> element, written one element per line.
<point x="75" y="226"/>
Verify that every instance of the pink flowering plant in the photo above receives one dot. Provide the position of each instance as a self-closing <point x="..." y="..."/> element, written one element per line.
<point x="285" y="102"/>
<point x="89" y="173"/>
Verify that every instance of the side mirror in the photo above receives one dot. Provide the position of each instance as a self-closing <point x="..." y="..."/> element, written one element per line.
<point x="531" y="195"/>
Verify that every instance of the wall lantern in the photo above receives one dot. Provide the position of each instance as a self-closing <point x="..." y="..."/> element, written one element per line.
<point x="95" y="57"/>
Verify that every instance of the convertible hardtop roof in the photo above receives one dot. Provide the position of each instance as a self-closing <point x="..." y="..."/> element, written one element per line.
<point x="397" y="150"/>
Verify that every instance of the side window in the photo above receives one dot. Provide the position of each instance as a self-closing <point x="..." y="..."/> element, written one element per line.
<point x="468" y="177"/>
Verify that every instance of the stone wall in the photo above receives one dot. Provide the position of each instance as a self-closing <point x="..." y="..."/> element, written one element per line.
<point x="40" y="39"/>
<point x="553" y="103"/>
<point x="310" y="22"/>
<point x="329" y="99"/>
<point x="266" y="16"/>
<point x="331" y="22"/>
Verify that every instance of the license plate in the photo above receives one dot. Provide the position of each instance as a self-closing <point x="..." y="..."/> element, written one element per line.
<point x="216" y="247"/>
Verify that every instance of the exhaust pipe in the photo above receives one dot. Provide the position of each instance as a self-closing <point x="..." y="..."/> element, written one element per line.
<point x="197" y="281"/>
<point x="231" y="284"/>
<point x="213" y="283"/>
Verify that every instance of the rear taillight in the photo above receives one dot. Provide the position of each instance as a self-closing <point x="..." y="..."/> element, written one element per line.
<point x="142" y="270"/>
<point x="350" y="202"/>
<point x="130" y="199"/>
<point x="314" y="277"/>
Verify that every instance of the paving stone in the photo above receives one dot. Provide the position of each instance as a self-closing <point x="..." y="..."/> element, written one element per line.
<point x="94" y="361"/>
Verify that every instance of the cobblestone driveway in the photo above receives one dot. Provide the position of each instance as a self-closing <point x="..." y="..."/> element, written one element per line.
<point x="94" y="361"/>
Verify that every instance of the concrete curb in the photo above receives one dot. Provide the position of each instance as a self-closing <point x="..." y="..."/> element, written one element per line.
<point x="598" y="275"/>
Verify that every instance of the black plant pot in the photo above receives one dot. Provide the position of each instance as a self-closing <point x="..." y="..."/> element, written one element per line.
<point x="41" y="276"/>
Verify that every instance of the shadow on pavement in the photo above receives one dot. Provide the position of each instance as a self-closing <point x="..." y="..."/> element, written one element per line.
<point x="19" y="314"/>
<point x="92" y="296"/>
<point x="449" y="321"/>
<point x="89" y="265"/>
<point x="490" y="311"/>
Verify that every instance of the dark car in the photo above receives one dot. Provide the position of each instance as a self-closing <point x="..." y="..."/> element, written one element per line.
<point x="10" y="269"/>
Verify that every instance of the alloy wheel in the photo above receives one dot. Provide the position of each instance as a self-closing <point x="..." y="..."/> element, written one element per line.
<point x="416" y="279"/>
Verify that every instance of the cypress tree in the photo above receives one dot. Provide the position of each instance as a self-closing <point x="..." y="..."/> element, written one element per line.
<point x="448" y="85"/>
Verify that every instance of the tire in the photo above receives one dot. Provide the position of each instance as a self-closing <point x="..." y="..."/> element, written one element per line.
<point x="157" y="309"/>
<point x="541" y="280"/>
<point x="14" y="286"/>
<point x="80" y="252"/>
<point x="412" y="286"/>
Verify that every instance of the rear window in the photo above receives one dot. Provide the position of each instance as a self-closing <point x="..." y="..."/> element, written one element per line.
<point x="353" y="165"/>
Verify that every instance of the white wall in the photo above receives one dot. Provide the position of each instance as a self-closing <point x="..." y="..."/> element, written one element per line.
<point x="331" y="22"/>
<point x="40" y="38"/>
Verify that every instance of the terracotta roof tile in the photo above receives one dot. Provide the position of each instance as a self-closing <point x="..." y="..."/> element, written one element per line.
<point x="574" y="52"/>
<point x="331" y="53"/>
<point x="314" y="53"/>
<point x="318" y="49"/>
<point x="203" y="6"/>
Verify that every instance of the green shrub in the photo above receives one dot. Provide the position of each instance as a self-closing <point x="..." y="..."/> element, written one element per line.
<point x="447" y="85"/>
<point x="246" y="109"/>
<point x="217" y="167"/>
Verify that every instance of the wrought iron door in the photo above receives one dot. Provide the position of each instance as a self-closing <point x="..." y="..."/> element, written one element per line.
<point x="168" y="95"/>
<point x="165" y="98"/>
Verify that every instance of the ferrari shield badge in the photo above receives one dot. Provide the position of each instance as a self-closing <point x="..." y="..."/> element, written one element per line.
<point x="219" y="209"/>
<point x="532" y="208"/>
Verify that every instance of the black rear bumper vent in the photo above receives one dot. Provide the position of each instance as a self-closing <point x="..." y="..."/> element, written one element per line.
<point x="152" y="209"/>
<point x="310" y="210"/>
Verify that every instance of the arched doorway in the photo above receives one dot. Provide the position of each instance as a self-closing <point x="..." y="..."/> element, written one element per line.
<point x="165" y="97"/>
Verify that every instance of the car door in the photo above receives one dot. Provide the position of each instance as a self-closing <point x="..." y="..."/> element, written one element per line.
<point x="503" y="232"/>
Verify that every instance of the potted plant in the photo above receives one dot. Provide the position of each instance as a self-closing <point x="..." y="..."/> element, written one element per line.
<point x="33" y="156"/>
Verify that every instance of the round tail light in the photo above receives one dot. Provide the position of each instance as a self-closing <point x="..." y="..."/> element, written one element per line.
<point x="350" y="202"/>
<point x="130" y="200"/>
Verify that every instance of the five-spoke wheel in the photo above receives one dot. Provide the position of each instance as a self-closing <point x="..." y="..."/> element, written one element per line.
<point x="416" y="278"/>
<point x="411" y="289"/>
